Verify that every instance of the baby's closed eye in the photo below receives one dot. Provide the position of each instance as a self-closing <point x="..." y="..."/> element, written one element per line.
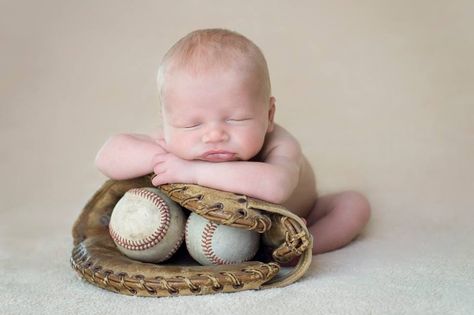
<point x="190" y="126"/>
<point x="186" y="125"/>
<point x="238" y="119"/>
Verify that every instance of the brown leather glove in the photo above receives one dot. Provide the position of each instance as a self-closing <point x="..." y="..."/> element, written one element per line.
<point x="96" y="258"/>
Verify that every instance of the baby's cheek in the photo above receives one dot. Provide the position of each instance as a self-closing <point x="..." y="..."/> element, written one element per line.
<point x="251" y="145"/>
<point x="182" y="147"/>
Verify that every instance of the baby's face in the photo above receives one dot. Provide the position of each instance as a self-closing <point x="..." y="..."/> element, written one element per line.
<point x="214" y="116"/>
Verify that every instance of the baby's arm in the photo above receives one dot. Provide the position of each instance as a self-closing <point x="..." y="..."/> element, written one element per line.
<point x="273" y="180"/>
<point x="125" y="156"/>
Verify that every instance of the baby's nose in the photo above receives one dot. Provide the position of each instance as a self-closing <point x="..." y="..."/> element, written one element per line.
<point x="215" y="135"/>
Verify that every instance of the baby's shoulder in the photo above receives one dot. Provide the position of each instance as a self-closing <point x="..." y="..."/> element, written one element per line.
<point x="281" y="134"/>
<point x="281" y="137"/>
<point x="281" y="142"/>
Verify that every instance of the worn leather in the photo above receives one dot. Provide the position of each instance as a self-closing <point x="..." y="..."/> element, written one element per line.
<point x="96" y="258"/>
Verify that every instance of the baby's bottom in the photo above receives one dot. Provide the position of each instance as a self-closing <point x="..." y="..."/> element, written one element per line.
<point x="336" y="219"/>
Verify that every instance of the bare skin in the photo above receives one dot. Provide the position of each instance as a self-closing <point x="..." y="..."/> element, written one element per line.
<point x="219" y="131"/>
<point x="334" y="220"/>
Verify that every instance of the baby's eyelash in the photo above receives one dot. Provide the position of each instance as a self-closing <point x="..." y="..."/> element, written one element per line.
<point x="191" y="126"/>
<point x="242" y="119"/>
<point x="183" y="126"/>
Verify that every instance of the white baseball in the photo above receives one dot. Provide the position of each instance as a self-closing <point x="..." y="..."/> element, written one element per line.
<point x="147" y="225"/>
<point x="216" y="244"/>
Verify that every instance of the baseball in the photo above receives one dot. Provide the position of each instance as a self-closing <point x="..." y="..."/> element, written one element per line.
<point x="215" y="244"/>
<point x="147" y="225"/>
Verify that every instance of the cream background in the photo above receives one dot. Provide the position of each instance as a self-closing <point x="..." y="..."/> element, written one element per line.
<point x="380" y="94"/>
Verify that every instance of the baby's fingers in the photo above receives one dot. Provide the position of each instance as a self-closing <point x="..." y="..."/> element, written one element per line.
<point x="156" y="180"/>
<point x="159" y="179"/>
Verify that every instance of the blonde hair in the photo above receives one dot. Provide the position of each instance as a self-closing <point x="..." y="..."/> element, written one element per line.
<point x="206" y="49"/>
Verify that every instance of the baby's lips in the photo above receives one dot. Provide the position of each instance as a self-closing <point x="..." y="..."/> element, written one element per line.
<point x="218" y="156"/>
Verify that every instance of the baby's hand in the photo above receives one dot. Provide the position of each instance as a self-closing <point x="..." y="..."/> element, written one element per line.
<point x="171" y="169"/>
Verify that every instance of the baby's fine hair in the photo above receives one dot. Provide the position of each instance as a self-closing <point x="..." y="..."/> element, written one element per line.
<point x="206" y="49"/>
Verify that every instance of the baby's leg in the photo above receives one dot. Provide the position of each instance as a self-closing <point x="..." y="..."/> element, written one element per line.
<point x="337" y="219"/>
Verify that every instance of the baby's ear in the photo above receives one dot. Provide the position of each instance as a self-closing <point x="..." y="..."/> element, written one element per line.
<point x="271" y="114"/>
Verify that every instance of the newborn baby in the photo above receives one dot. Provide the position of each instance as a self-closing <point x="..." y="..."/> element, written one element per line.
<point x="219" y="131"/>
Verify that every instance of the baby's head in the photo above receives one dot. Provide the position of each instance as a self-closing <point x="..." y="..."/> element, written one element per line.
<point x="215" y="97"/>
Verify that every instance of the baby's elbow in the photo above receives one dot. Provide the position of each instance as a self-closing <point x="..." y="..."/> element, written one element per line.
<point x="277" y="198"/>
<point x="104" y="168"/>
<point x="103" y="159"/>
<point x="283" y="190"/>
<point x="101" y="164"/>
<point x="99" y="160"/>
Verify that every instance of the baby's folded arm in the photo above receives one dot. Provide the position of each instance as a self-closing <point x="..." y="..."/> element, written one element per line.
<point x="287" y="156"/>
<point x="256" y="179"/>
<point x="289" y="175"/>
<point x="125" y="156"/>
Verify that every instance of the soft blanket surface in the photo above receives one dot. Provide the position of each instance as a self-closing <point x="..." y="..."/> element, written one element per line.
<point x="395" y="271"/>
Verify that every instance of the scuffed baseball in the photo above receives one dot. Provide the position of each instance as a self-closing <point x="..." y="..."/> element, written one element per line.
<point x="147" y="225"/>
<point x="210" y="243"/>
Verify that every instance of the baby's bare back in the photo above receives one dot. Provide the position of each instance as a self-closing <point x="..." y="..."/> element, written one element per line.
<point x="304" y="195"/>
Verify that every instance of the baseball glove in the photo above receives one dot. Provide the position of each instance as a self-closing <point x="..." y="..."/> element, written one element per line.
<point x="96" y="258"/>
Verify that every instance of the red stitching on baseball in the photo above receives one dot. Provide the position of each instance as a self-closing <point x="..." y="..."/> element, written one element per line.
<point x="175" y="247"/>
<point x="186" y="234"/>
<point x="160" y="231"/>
<point x="206" y="244"/>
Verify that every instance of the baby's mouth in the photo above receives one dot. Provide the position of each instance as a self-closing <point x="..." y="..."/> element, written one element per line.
<point x="218" y="156"/>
